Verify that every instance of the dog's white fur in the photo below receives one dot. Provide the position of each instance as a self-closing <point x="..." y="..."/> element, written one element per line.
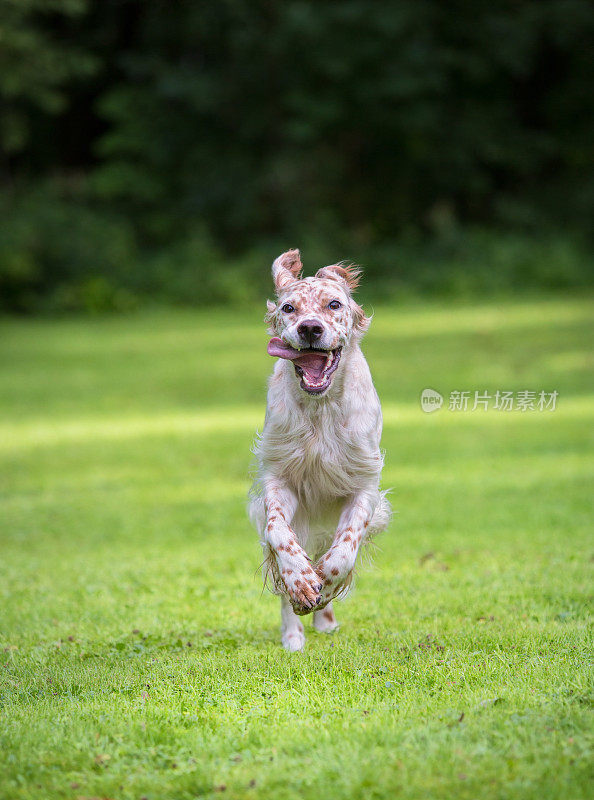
<point x="316" y="499"/>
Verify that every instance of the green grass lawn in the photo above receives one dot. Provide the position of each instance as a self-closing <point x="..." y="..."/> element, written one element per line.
<point x="139" y="657"/>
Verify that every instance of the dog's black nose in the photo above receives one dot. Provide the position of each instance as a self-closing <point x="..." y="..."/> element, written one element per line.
<point x="310" y="330"/>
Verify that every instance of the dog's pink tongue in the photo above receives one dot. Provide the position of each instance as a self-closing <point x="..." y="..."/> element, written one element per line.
<point x="312" y="363"/>
<point x="280" y="349"/>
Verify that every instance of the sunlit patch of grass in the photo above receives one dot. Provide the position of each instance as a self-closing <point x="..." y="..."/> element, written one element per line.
<point x="138" y="655"/>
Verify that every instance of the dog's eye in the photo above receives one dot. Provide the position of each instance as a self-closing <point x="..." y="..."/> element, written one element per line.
<point x="288" y="308"/>
<point x="334" y="305"/>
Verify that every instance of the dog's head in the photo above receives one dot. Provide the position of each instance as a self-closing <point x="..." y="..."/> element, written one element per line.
<point x="313" y="319"/>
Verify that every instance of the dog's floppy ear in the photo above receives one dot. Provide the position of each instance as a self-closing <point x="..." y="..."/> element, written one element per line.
<point x="347" y="273"/>
<point x="362" y="322"/>
<point x="269" y="318"/>
<point x="286" y="269"/>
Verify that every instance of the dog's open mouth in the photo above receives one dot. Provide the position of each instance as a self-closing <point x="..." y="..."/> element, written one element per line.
<point x="314" y="367"/>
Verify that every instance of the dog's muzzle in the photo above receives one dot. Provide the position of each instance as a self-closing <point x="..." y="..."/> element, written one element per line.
<point x="314" y="366"/>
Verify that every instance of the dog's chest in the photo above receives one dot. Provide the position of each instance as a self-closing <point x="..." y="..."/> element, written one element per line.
<point x="321" y="459"/>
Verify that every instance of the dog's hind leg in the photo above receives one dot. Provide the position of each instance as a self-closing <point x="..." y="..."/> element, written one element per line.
<point x="324" y="621"/>
<point x="292" y="633"/>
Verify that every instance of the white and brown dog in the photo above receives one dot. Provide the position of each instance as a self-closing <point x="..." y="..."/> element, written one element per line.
<point x="316" y="499"/>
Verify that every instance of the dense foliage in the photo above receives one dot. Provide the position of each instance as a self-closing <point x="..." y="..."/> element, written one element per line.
<point x="153" y="147"/>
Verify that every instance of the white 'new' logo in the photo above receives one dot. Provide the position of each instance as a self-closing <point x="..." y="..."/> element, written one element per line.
<point x="431" y="400"/>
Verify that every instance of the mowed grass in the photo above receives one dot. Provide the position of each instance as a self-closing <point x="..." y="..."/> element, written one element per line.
<point x="139" y="656"/>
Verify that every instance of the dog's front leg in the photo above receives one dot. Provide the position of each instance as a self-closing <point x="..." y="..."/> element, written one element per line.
<point x="336" y="566"/>
<point x="290" y="564"/>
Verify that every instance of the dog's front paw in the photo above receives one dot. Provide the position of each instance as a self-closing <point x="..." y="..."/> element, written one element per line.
<point x="336" y="574"/>
<point x="302" y="584"/>
<point x="303" y="588"/>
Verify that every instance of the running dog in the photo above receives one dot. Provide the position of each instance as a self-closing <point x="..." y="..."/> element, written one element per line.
<point x="316" y="498"/>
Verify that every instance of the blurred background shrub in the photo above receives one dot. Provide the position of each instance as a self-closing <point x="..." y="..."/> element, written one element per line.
<point x="156" y="152"/>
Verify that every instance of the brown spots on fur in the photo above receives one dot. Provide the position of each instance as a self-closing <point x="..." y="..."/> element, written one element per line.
<point x="366" y="523"/>
<point x="346" y="538"/>
<point x="334" y="570"/>
<point x="288" y="572"/>
<point x="327" y="582"/>
<point x="329" y="615"/>
<point x="280" y="547"/>
<point x="312" y="296"/>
